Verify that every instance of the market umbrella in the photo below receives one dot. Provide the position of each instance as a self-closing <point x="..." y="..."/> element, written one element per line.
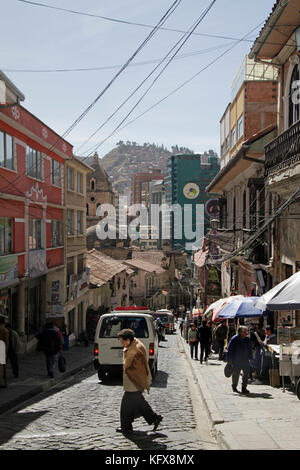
<point x="221" y="305"/>
<point x="241" y="308"/>
<point x="284" y="296"/>
<point x="289" y="297"/>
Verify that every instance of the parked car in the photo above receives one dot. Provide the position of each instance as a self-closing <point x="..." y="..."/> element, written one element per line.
<point x="108" y="352"/>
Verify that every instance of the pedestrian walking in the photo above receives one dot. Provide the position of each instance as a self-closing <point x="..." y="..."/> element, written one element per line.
<point x="181" y="326"/>
<point x="220" y="335"/>
<point x="13" y="347"/>
<point x="136" y="379"/>
<point x="193" y="340"/>
<point x="239" y="355"/>
<point x="205" y="339"/>
<point x="4" y="340"/>
<point x="49" y="342"/>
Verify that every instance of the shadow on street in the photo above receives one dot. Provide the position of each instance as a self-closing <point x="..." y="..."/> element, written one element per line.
<point x="146" y="441"/>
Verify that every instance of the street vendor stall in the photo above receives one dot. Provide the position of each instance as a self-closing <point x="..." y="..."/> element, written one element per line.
<point x="286" y="297"/>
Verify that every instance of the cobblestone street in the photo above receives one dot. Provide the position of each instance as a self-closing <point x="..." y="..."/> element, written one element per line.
<point x="83" y="413"/>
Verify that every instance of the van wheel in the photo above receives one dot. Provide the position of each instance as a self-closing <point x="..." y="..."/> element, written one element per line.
<point x="154" y="370"/>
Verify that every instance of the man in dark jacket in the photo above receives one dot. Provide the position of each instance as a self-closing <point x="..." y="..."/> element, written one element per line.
<point x="239" y="353"/>
<point x="220" y="335"/>
<point x="205" y="338"/>
<point x="49" y="342"/>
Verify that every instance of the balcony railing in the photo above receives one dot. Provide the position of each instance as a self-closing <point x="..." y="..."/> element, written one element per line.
<point x="284" y="150"/>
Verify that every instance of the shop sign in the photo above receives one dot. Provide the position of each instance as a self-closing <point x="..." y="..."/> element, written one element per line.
<point x="83" y="281"/>
<point x="213" y="208"/>
<point x="8" y="269"/>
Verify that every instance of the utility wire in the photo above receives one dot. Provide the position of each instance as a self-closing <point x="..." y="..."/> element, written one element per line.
<point x="95" y="147"/>
<point x="116" y="20"/>
<point x="180" y="44"/>
<point x="168" y="13"/>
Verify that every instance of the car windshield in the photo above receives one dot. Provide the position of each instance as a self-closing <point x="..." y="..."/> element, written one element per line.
<point x="113" y="325"/>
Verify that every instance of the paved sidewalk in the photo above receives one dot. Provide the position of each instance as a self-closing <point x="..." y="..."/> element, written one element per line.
<point x="33" y="375"/>
<point x="266" y="419"/>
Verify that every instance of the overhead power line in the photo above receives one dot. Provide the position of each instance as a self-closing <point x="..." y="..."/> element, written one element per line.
<point x="164" y="18"/>
<point x="95" y="147"/>
<point x="110" y="67"/>
<point x="179" y="44"/>
<point x="144" y="25"/>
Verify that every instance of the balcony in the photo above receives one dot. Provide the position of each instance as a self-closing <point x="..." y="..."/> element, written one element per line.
<point x="283" y="151"/>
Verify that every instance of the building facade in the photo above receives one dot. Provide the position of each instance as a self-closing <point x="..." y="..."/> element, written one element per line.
<point x="32" y="201"/>
<point x="76" y="272"/>
<point x="282" y="154"/>
<point x="188" y="175"/>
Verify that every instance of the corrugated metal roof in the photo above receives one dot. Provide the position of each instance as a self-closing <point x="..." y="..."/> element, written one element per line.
<point x="144" y="265"/>
<point x="103" y="268"/>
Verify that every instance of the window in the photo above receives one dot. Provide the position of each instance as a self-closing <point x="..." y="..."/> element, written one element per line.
<point x="233" y="137"/>
<point x="56" y="233"/>
<point x="240" y="127"/>
<point x="70" y="222"/>
<point x="70" y="178"/>
<point x="92" y="185"/>
<point x="6" y="244"/>
<point x="56" y="173"/>
<point x="112" y="325"/>
<point x="79" y="223"/>
<point x="35" y="234"/>
<point x="33" y="163"/>
<point x="7" y="151"/>
<point x="80" y="265"/>
<point x="79" y="183"/>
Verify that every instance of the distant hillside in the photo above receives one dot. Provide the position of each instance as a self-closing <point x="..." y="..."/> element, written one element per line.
<point x="129" y="158"/>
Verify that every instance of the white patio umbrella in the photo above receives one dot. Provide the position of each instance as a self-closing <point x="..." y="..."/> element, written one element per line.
<point x="284" y="296"/>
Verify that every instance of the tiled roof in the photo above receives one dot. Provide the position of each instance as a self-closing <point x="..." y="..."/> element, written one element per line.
<point x="151" y="256"/>
<point x="144" y="265"/>
<point x="103" y="268"/>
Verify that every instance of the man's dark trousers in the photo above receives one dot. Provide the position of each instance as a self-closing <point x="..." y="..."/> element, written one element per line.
<point x="237" y="368"/>
<point x="205" y="348"/>
<point x="221" y="349"/>
<point x="133" y="406"/>
<point x="12" y="356"/>
<point x="194" y="349"/>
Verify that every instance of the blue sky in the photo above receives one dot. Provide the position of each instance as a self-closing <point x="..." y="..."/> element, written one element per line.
<point x="39" y="38"/>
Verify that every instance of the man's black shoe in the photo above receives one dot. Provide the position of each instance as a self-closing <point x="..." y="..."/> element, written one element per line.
<point x="245" y="391"/>
<point x="124" y="430"/>
<point x="235" y="389"/>
<point x="157" y="421"/>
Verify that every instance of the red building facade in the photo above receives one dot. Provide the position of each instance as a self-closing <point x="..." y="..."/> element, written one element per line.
<point x="32" y="160"/>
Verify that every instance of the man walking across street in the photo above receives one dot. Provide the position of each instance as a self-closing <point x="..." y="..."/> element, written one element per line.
<point x="49" y="342"/>
<point x="136" y="378"/>
<point x="205" y="338"/>
<point x="13" y="346"/>
<point x="239" y="353"/>
<point x="193" y="341"/>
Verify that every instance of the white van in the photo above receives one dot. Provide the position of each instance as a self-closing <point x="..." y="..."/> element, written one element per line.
<point x="108" y="352"/>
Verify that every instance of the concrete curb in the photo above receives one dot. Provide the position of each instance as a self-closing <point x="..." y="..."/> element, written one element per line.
<point x="8" y="405"/>
<point x="214" y="415"/>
